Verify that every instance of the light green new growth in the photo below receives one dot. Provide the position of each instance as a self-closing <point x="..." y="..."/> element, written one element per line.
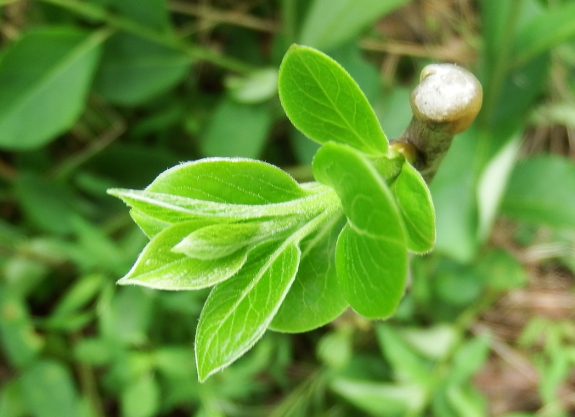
<point x="278" y="254"/>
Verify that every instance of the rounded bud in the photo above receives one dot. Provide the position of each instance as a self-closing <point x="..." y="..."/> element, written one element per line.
<point x="448" y="95"/>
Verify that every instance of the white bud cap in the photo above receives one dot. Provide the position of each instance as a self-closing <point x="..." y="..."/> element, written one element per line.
<point x="447" y="94"/>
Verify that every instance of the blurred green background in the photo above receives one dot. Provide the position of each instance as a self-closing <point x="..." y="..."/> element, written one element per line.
<point x="109" y="93"/>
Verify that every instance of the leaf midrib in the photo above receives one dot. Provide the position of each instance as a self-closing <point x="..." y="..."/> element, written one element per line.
<point x="296" y="237"/>
<point x="336" y="108"/>
<point x="300" y="205"/>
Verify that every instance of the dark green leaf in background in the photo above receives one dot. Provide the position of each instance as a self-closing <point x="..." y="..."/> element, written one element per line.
<point x="501" y="270"/>
<point x="49" y="390"/>
<point x="45" y="77"/>
<point x="381" y="399"/>
<point x="541" y="191"/>
<point x="237" y="129"/>
<point x="49" y="205"/>
<point x="545" y="31"/>
<point x="20" y="342"/>
<point x="11" y="401"/>
<point x="254" y="88"/>
<point x="408" y="365"/>
<point x="351" y="57"/>
<point x="455" y="199"/>
<point x="141" y="398"/>
<point x="329" y="23"/>
<point x="152" y="14"/>
<point x="135" y="70"/>
<point x="393" y="111"/>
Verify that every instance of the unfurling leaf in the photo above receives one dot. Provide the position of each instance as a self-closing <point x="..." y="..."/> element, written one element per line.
<point x="219" y="240"/>
<point x="160" y="267"/>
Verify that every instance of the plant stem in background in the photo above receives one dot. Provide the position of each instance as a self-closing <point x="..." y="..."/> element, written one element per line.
<point x="167" y="39"/>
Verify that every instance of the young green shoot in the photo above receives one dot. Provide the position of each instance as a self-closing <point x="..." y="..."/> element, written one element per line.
<point x="292" y="257"/>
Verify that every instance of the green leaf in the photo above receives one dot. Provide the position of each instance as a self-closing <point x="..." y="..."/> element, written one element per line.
<point x="229" y="180"/>
<point x="466" y="401"/>
<point x="371" y="254"/>
<point x="455" y="199"/>
<point x="134" y="70"/>
<point x="544" y="32"/>
<point x="469" y="359"/>
<point x="381" y="399"/>
<point x="149" y="225"/>
<point x="416" y="207"/>
<point x="408" y="366"/>
<point x="434" y="342"/>
<point x="20" y="342"/>
<point x="256" y="87"/>
<point x="97" y="249"/>
<point x="132" y="165"/>
<point x="237" y="129"/>
<point x="48" y="390"/>
<point x="325" y="103"/>
<point x="173" y="209"/>
<point x="45" y="77"/>
<point x="78" y="296"/>
<point x="336" y="347"/>
<point x="506" y="100"/>
<point x="365" y="74"/>
<point x="227" y="189"/>
<point x="141" y="398"/>
<point x="394" y="111"/>
<point x="219" y="240"/>
<point x="315" y="298"/>
<point x="492" y="184"/>
<point x="264" y="184"/>
<point x="539" y="191"/>
<point x="158" y="266"/>
<point x="126" y="317"/>
<point x="46" y="203"/>
<point x="330" y="23"/>
<point x="503" y="270"/>
<point x="150" y="13"/>
<point x="238" y="312"/>
<point x="11" y="401"/>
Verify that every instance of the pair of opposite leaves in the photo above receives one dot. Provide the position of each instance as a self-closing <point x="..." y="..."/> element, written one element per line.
<point x="219" y="218"/>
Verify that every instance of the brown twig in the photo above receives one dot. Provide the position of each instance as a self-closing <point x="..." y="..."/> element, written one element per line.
<point x="229" y="17"/>
<point x="444" y="103"/>
<point x="455" y="51"/>
<point x="7" y="172"/>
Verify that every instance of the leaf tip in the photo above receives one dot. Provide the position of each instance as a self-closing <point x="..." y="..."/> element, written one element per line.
<point x="124" y="281"/>
<point x="115" y="192"/>
<point x="203" y="368"/>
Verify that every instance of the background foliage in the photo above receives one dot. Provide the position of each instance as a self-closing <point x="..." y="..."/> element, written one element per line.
<point x="103" y="93"/>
